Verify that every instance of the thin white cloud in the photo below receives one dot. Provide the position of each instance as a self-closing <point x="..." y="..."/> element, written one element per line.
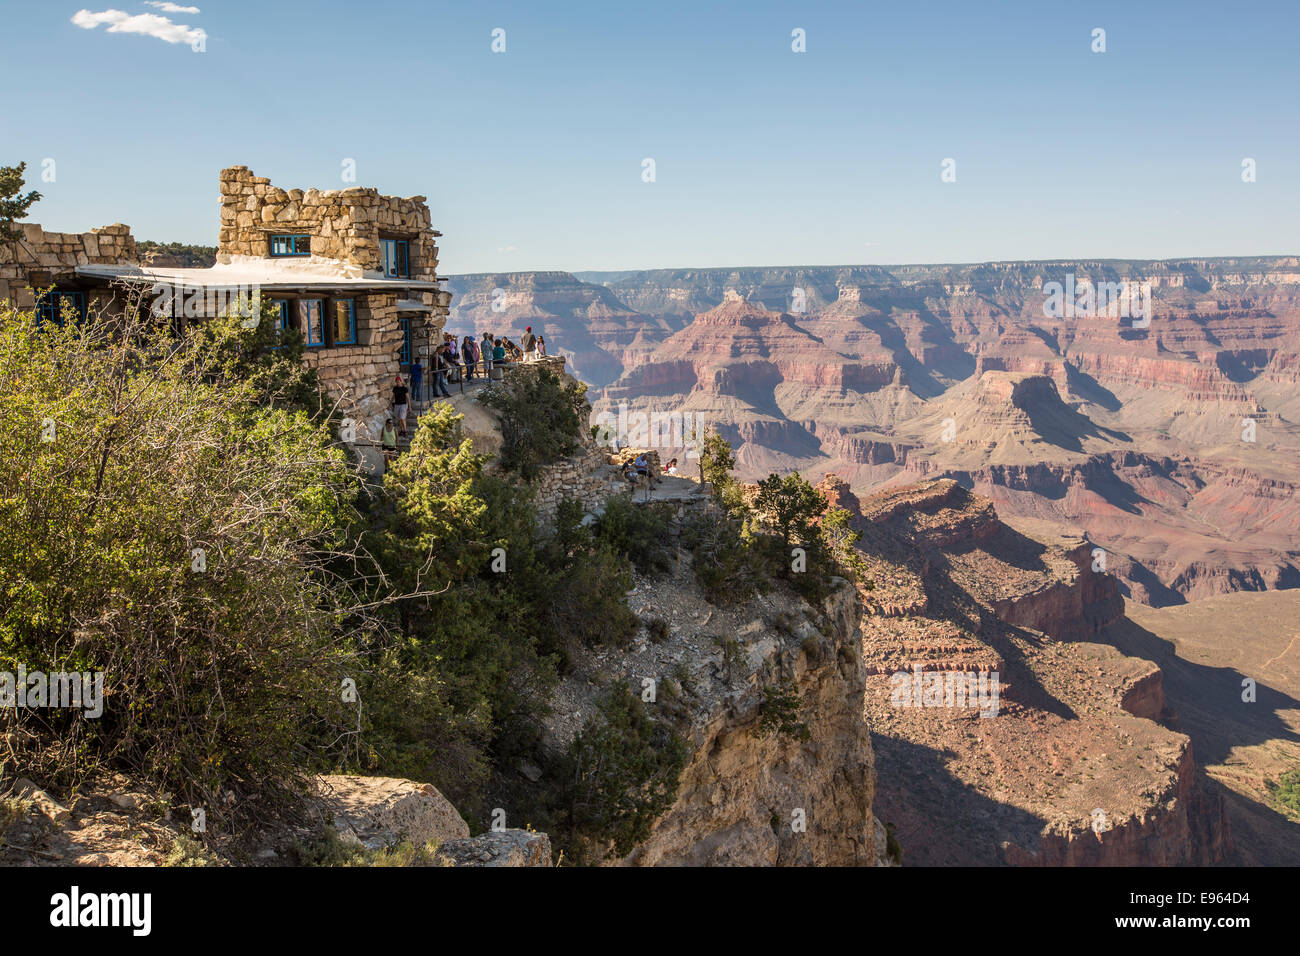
<point x="507" y="248"/>
<point x="170" y="7"/>
<point x="145" y="24"/>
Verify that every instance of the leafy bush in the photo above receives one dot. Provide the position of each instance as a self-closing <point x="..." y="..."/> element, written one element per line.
<point x="791" y="506"/>
<point x="729" y="565"/>
<point x="540" y="419"/>
<point x="490" y="607"/>
<point x="1286" y="792"/>
<point x="716" y="462"/>
<point x="779" y="713"/>
<point x="621" y="773"/>
<point x="164" y="525"/>
<point x="635" y="531"/>
<point x="658" y="629"/>
<point x="893" y="849"/>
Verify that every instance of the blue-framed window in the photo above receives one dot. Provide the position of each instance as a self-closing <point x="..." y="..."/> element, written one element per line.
<point x="395" y="257"/>
<point x="345" y="322"/>
<point x="52" y="303"/>
<point x="404" y="356"/>
<point x="278" y="312"/>
<point x="311" y="316"/>
<point x="290" y="246"/>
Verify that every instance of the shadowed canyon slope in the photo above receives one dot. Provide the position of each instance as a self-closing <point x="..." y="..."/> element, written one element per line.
<point x="1067" y="763"/>
<point x="1167" y="443"/>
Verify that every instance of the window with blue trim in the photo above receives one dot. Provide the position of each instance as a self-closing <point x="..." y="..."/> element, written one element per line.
<point x="404" y="357"/>
<point x="345" y="322"/>
<point x="395" y="257"/>
<point x="290" y="246"/>
<point x="311" y="316"/>
<point x="52" y="303"/>
<point x="279" y="314"/>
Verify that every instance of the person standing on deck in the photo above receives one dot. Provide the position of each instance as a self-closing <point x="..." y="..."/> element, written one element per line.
<point x="485" y="354"/>
<point x="529" y="342"/>
<point x="440" y="372"/>
<point x="388" y="441"/>
<point x="470" y="351"/>
<point x="417" y="378"/>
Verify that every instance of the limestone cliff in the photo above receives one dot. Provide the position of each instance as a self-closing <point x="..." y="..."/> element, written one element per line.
<point x="741" y="794"/>
<point x="746" y="798"/>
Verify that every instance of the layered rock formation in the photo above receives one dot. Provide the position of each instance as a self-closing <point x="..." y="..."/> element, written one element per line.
<point x="1166" y="438"/>
<point x="1064" y="764"/>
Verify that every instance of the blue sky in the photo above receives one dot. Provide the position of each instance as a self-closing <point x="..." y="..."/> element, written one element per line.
<point x="532" y="158"/>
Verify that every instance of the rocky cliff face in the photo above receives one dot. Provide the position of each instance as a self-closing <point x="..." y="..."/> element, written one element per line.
<point x="747" y="797"/>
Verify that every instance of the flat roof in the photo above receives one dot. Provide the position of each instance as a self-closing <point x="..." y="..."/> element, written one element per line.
<point x="261" y="274"/>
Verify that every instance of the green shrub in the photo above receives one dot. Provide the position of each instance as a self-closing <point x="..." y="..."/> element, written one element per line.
<point x="716" y="462"/>
<point x="791" y="506"/>
<point x="161" y="523"/>
<point x="729" y="566"/>
<point x="1285" y="792"/>
<point x="893" y="849"/>
<point x="779" y="712"/>
<point x="621" y="773"/>
<point x="659" y="630"/>
<point x="637" y="531"/>
<point x="540" y="419"/>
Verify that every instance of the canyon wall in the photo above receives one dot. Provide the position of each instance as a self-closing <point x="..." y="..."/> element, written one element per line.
<point x="744" y="796"/>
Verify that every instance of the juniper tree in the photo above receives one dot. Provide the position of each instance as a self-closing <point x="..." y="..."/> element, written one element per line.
<point x="13" y="204"/>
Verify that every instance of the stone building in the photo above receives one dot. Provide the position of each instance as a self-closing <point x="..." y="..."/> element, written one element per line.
<point x="353" y="271"/>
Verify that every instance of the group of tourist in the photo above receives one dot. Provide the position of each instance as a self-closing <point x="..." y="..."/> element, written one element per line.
<point x="449" y="360"/>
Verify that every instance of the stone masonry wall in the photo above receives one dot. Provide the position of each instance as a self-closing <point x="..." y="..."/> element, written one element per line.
<point x="344" y="224"/>
<point x="41" y="259"/>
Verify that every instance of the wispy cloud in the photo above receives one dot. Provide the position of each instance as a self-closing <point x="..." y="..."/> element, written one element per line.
<point x="145" y="24"/>
<point x="170" y="7"/>
<point x="507" y="248"/>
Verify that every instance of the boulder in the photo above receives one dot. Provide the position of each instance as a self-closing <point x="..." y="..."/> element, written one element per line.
<point x="382" y="811"/>
<point x="498" y="848"/>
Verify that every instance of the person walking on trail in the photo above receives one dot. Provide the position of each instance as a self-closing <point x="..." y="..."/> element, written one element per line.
<point x="399" y="404"/>
<point x="417" y="378"/>
<point x="440" y="372"/>
<point x="388" y="441"/>
<point x="529" y="342"/>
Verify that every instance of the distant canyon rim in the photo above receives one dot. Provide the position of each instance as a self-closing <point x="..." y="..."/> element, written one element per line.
<point x="1167" y="440"/>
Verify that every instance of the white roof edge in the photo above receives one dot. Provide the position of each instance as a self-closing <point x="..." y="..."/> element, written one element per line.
<point x="249" y="274"/>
